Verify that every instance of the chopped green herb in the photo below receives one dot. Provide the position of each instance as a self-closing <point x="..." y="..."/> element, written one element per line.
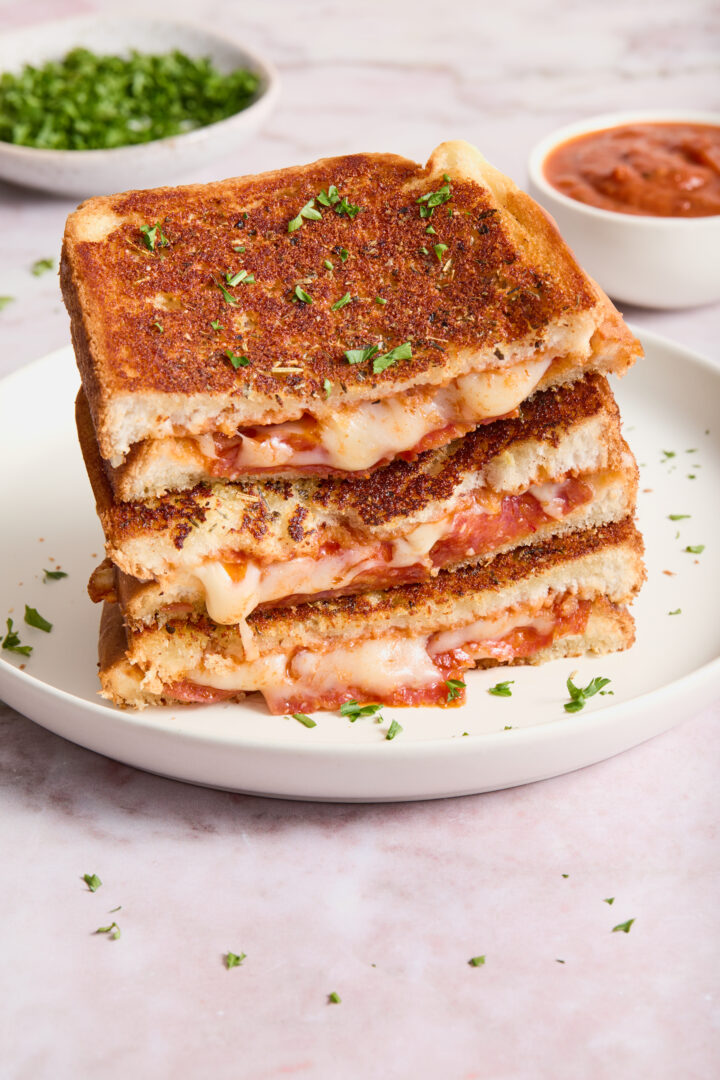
<point x="400" y="352"/>
<point x="308" y="213"/>
<point x="151" y="233"/>
<point x="668" y="453"/>
<point x="424" y="251"/>
<point x="327" y="387"/>
<point x="236" y="359"/>
<point x="434" y="198"/>
<point x="92" y="881"/>
<point x="380" y="300"/>
<point x="159" y="327"/>
<point x="440" y="250"/>
<point x="334" y="998"/>
<point x="694" y="450"/>
<point x="304" y="719"/>
<point x="352" y="710"/>
<point x="454" y="687"/>
<point x="234" y="959"/>
<point x="341" y="302"/>
<point x="677" y="611"/>
<point x="54" y="575"/>
<point x="34" y="618"/>
<point x="623" y="927"/>
<point x="393" y="730"/>
<point x="5" y="300"/>
<point x="345" y="207"/>
<point x="343" y="253"/>
<point x="215" y="323"/>
<point x="235" y="279"/>
<point x="430" y="229"/>
<point x="508" y="727"/>
<point x="330" y="197"/>
<point x="678" y="517"/>
<point x="476" y="961"/>
<point x="578" y="695"/>
<point x="691" y="476"/>
<point x="609" y="900"/>
<point x="113" y="930"/>
<point x="229" y="298"/>
<point x="565" y="875"/>
<point x="114" y="909"/>
<point x="359" y="356"/>
<point x="41" y="266"/>
<point x="501" y="689"/>
<point x="559" y="961"/>
<point x="302" y="295"/>
<point x="328" y="265"/>
<point x="11" y="641"/>
<point x="240" y="248"/>
<point x="695" y="549"/>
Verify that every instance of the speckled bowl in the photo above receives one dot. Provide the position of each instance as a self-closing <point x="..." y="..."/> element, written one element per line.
<point x="95" y="172"/>
<point x="657" y="262"/>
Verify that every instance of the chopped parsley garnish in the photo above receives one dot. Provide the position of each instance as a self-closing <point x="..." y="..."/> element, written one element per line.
<point x="359" y="356"/>
<point x="302" y="295"/>
<point x="579" y="695"/>
<point x="609" y="900"/>
<point x="343" y="253"/>
<point x="400" y="352"/>
<point x="352" y="710"/>
<point x="678" y="517"/>
<point x="434" y="198"/>
<point x="54" y="575"/>
<point x="215" y="323"/>
<point x="440" y="250"/>
<point x="508" y="727"/>
<point x="329" y="197"/>
<point x="623" y="927"/>
<point x="668" y="453"/>
<point x="159" y="327"/>
<point x="345" y="207"/>
<point x="327" y="387"/>
<point x="695" y="549"/>
<point x="454" y="687"/>
<point x="234" y="959"/>
<point x="431" y="229"/>
<point x="240" y="248"/>
<point x="41" y="266"/>
<point x="34" y="618"/>
<point x="424" y="251"/>
<point x="476" y="961"/>
<point x="302" y="718"/>
<point x="565" y="875"/>
<point x="341" y="302"/>
<point x="235" y="279"/>
<point x="380" y="300"/>
<point x="501" y="689"/>
<point x="92" y="881"/>
<point x="677" y="611"/>
<point x="334" y="998"/>
<point x="328" y="265"/>
<point x="229" y="298"/>
<point x="151" y="233"/>
<point x="236" y="359"/>
<point x="5" y="300"/>
<point x="113" y="930"/>
<point x="393" y="730"/>
<point x="308" y="212"/>
<point x="11" y="641"/>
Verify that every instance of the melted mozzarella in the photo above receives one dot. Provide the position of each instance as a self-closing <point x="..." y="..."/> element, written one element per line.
<point x="419" y="542"/>
<point x="357" y="438"/>
<point x="488" y="630"/>
<point x="377" y="666"/>
<point x="550" y="498"/>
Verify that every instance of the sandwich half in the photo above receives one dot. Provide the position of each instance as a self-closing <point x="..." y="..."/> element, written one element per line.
<point x="321" y="320"/>
<point x="227" y="548"/>
<point x="563" y="597"/>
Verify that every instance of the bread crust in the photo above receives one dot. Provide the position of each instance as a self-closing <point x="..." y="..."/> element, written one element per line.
<point x="153" y="366"/>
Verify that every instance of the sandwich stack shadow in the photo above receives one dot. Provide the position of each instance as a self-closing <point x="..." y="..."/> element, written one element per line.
<point x="349" y="435"/>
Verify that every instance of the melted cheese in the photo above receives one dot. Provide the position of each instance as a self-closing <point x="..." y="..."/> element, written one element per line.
<point x="550" y="498"/>
<point x="488" y="630"/>
<point x="419" y="542"/>
<point x="357" y="438"/>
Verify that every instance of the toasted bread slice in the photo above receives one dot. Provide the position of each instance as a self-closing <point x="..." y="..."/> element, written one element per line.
<point x="398" y="646"/>
<point x="158" y="325"/>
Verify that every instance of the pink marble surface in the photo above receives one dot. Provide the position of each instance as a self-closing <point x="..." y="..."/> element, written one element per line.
<point x="315" y="894"/>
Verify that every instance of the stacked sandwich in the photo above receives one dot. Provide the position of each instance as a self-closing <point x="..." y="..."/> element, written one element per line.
<point x="349" y="435"/>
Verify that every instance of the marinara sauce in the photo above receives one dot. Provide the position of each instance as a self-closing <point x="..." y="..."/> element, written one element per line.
<point x="663" y="170"/>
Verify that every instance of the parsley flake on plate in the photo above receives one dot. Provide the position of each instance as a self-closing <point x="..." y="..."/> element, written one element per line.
<point x="5" y="300"/>
<point x="34" y="618"/>
<point x="695" y="549"/>
<point x="501" y="689"/>
<point x="11" y="641"/>
<point x="54" y="575"/>
<point x="609" y="900"/>
<point x="678" y="517"/>
<point x="476" y="961"/>
<point x="113" y="930"/>
<point x="234" y="959"/>
<point x="92" y="881"/>
<point x="623" y="927"/>
<point x="303" y="718"/>
<point x="334" y="998"/>
<point x="579" y="695"/>
<point x="454" y="687"/>
<point x="352" y="710"/>
<point x="41" y="266"/>
<point x="393" y="730"/>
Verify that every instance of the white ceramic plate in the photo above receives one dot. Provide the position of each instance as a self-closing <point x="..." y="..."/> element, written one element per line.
<point x="670" y="401"/>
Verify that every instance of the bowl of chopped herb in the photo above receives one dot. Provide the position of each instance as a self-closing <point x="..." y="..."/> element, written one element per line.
<point x="98" y="104"/>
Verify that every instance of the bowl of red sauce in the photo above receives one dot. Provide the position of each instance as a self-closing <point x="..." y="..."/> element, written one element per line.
<point x="637" y="198"/>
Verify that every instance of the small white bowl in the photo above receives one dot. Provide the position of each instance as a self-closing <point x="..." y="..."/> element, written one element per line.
<point x="96" y="172"/>
<point x="655" y="262"/>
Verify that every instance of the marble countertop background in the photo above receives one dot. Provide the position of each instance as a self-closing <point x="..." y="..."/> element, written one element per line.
<point x="382" y="904"/>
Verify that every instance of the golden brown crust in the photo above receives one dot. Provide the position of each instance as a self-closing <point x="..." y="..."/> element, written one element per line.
<point x="141" y="319"/>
